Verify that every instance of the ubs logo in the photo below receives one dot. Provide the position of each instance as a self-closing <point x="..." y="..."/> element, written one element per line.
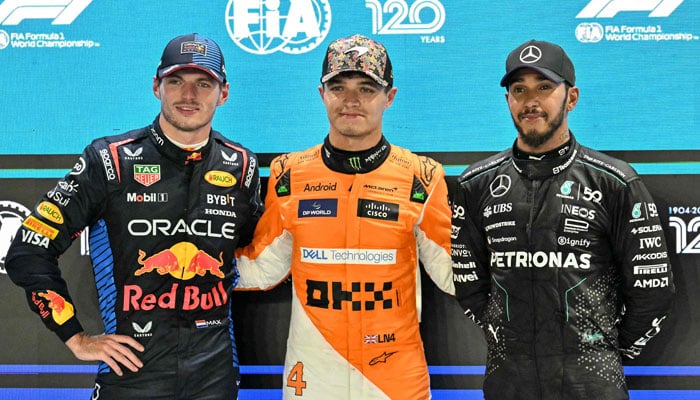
<point x="265" y="27"/>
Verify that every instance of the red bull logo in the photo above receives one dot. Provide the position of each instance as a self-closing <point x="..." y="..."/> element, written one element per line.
<point x="183" y="261"/>
<point x="194" y="298"/>
<point x="59" y="309"/>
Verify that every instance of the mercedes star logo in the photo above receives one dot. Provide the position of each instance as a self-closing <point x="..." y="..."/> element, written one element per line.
<point x="500" y="185"/>
<point x="530" y="54"/>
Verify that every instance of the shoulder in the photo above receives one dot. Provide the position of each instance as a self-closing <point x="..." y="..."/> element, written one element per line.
<point x="118" y="140"/>
<point x="482" y="167"/>
<point x="222" y="141"/>
<point x="297" y="160"/>
<point x="606" y="164"/>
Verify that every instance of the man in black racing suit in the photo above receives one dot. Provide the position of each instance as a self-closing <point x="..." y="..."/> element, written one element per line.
<point x="164" y="219"/>
<point x="558" y="251"/>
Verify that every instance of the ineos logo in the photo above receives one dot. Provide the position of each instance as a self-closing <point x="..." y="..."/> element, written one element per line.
<point x="530" y="54"/>
<point x="500" y="186"/>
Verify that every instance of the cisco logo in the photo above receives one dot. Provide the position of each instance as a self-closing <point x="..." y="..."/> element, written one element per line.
<point x="265" y="27"/>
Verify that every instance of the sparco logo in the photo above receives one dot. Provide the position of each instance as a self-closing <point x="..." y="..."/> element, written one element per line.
<point x="266" y="27"/>
<point x="62" y="12"/>
<point x="610" y="8"/>
<point x="107" y="162"/>
<point x="540" y="259"/>
<point x="251" y="172"/>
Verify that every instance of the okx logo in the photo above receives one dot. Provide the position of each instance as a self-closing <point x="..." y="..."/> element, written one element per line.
<point x="610" y="8"/>
<point x="266" y="27"/>
<point x="61" y="12"/>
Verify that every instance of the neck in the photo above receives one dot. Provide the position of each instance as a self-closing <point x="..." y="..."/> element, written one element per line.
<point x="182" y="137"/>
<point x="351" y="143"/>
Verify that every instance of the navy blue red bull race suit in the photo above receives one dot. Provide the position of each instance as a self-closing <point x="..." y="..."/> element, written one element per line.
<point x="164" y="224"/>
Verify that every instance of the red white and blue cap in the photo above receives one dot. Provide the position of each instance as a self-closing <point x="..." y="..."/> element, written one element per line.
<point x="192" y="51"/>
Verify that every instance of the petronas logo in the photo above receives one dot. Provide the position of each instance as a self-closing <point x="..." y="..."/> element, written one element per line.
<point x="355" y="163"/>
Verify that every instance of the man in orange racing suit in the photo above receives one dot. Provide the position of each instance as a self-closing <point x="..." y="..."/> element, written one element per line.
<point x="350" y="219"/>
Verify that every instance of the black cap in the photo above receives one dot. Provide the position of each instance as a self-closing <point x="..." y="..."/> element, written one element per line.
<point x="192" y="51"/>
<point x="546" y="58"/>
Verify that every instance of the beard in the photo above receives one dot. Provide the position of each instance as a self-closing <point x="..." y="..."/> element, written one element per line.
<point x="534" y="138"/>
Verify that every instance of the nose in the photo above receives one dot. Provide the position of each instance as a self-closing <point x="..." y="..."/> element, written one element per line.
<point x="189" y="90"/>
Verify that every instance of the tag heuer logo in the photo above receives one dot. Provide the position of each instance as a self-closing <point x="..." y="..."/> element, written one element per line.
<point x="146" y="174"/>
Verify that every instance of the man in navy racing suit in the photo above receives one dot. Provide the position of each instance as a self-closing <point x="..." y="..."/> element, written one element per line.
<point x="167" y="205"/>
<point x="558" y="251"/>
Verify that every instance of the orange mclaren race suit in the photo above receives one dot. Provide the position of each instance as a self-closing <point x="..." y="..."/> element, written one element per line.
<point x="351" y="228"/>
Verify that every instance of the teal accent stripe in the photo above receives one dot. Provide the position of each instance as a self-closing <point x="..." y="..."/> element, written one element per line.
<point x="566" y="296"/>
<point x="506" y="292"/>
<point x="680" y="168"/>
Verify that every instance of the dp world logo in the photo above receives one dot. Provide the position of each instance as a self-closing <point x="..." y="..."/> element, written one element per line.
<point x="268" y="26"/>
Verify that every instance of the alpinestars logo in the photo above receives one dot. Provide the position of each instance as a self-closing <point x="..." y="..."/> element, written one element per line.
<point x="291" y="26"/>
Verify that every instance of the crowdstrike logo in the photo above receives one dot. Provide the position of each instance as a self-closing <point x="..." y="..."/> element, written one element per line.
<point x="264" y="27"/>
<point x="610" y="8"/>
<point x="62" y="12"/>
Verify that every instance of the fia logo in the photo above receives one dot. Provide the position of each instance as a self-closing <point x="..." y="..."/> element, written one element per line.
<point x="682" y="230"/>
<point x="290" y="26"/>
<point x="397" y="24"/>
<point x="12" y="12"/>
<point x="610" y="8"/>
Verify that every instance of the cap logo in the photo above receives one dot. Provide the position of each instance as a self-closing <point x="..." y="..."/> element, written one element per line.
<point x="359" y="49"/>
<point x="530" y="54"/>
<point x="193" y="48"/>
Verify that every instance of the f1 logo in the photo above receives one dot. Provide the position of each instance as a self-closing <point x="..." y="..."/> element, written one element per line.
<point x="610" y="8"/>
<point x="63" y="12"/>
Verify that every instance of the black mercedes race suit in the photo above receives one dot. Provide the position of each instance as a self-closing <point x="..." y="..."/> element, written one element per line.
<point x="563" y="263"/>
<point x="164" y="223"/>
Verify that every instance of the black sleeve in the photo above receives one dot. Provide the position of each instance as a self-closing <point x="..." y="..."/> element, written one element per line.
<point x="56" y="220"/>
<point x="642" y="254"/>
<point x="470" y="260"/>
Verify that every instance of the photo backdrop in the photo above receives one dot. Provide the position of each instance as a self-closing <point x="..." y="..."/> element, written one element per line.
<point x="74" y="70"/>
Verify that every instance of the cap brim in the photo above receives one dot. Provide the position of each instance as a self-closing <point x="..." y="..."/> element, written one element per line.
<point x="325" y="78"/>
<point x="162" y="73"/>
<point x="549" y="74"/>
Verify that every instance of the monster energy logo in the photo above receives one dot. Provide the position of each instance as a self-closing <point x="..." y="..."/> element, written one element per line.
<point x="355" y="163"/>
